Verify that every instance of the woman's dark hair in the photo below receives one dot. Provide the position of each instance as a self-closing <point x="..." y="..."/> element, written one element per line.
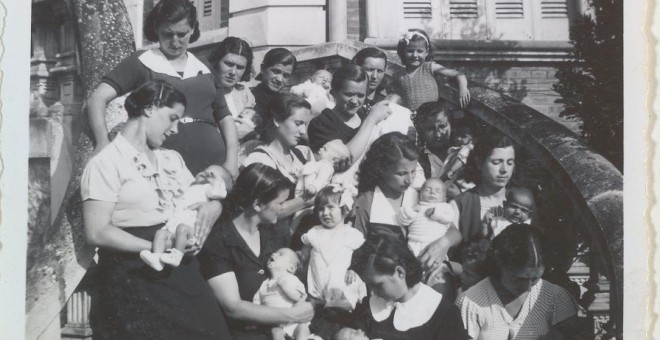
<point x="484" y="146"/>
<point x="255" y="183"/>
<point x="171" y="11"/>
<point x="349" y="72"/>
<point x="382" y="255"/>
<point x="276" y="56"/>
<point x="369" y="52"/>
<point x="388" y="149"/>
<point x="518" y="246"/>
<point x="403" y="44"/>
<point x="329" y="195"/>
<point x="427" y="112"/>
<point x="154" y="93"/>
<point x="236" y="46"/>
<point x="279" y="109"/>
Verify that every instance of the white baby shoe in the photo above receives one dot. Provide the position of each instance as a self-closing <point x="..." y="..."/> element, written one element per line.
<point x="151" y="259"/>
<point x="172" y="257"/>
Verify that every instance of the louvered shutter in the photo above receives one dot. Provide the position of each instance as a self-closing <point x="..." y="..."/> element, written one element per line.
<point x="551" y="19"/>
<point x="509" y="19"/>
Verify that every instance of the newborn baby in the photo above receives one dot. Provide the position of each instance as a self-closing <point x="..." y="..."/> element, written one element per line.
<point x="282" y="290"/>
<point x="316" y="175"/>
<point x="518" y="207"/>
<point x="430" y="219"/>
<point x="317" y="91"/>
<point x="209" y="184"/>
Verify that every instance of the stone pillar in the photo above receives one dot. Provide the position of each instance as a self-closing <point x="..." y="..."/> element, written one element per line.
<point x="337" y="20"/>
<point x="372" y="20"/>
<point x="277" y="23"/>
<point x="77" y="317"/>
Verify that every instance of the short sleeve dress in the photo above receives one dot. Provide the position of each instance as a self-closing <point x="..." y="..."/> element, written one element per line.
<point x="199" y="142"/>
<point x="419" y="87"/>
<point x="226" y="251"/>
<point x="486" y="318"/>
<point x="134" y="301"/>
<point x="424" y="316"/>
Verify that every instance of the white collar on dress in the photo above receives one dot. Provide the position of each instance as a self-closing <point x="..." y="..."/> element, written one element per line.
<point x="156" y="61"/>
<point x="410" y="314"/>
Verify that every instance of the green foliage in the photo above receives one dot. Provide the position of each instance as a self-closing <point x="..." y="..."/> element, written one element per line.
<point x="591" y="86"/>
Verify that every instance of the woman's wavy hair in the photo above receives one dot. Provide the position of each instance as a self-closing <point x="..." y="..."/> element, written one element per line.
<point x="278" y="55"/>
<point x="348" y="72"/>
<point x="483" y="147"/>
<point x="171" y="11"/>
<point x="403" y="44"/>
<point x="369" y="52"/>
<point x="237" y="46"/>
<point x="153" y="94"/>
<point x="255" y="183"/>
<point x="518" y="246"/>
<point x="383" y="254"/>
<point x="388" y="149"/>
<point x="279" y="109"/>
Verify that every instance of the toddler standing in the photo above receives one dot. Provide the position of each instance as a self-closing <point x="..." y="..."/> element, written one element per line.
<point x="418" y="83"/>
<point x="330" y="247"/>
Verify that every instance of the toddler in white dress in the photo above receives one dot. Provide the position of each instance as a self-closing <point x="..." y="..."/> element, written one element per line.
<point x="330" y="247"/>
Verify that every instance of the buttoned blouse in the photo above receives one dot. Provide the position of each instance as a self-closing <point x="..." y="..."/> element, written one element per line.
<point x="144" y="193"/>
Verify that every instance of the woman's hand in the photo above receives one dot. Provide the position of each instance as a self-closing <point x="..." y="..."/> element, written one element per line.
<point x="432" y="256"/>
<point x="207" y="214"/>
<point x="302" y="311"/>
<point x="379" y="112"/>
<point x="343" y="164"/>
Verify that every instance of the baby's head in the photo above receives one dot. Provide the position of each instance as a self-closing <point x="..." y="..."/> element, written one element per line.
<point x="350" y="334"/>
<point x="461" y="135"/>
<point x="519" y="205"/>
<point x="433" y="191"/>
<point x="248" y="113"/>
<point x="334" y="150"/>
<point x="284" y="260"/>
<point x="323" y="78"/>
<point x="217" y="176"/>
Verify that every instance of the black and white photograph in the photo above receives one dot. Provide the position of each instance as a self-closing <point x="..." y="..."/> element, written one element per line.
<point x="328" y="170"/>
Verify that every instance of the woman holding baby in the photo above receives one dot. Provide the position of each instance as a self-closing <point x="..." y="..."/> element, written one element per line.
<point x="207" y="134"/>
<point x="128" y="191"/>
<point x="243" y="251"/>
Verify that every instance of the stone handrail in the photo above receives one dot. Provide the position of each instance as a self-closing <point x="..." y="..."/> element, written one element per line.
<point x="592" y="183"/>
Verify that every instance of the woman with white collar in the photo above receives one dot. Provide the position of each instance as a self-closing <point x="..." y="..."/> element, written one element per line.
<point x="400" y="305"/>
<point x="207" y="134"/>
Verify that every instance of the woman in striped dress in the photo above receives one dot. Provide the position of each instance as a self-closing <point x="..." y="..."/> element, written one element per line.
<point x="513" y="302"/>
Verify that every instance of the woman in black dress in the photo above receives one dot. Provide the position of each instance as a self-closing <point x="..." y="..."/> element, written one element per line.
<point x="401" y="306"/>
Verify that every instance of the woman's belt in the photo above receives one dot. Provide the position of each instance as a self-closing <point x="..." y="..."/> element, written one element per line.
<point x="187" y="120"/>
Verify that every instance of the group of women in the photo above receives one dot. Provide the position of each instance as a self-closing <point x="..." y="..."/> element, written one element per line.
<point x="181" y="113"/>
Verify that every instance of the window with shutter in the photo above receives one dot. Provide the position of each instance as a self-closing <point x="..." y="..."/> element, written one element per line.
<point x="417" y="10"/>
<point x="551" y="19"/>
<point x="509" y="19"/>
<point x="509" y="9"/>
<point x="208" y="14"/>
<point x="463" y="9"/>
<point x="554" y="9"/>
